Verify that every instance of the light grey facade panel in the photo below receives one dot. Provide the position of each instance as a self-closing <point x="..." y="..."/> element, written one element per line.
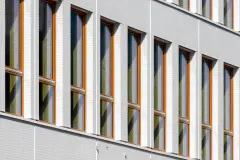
<point x="174" y="25"/>
<point x="133" y="13"/>
<point x="17" y="140"/>
<point x="219" y="43"/>
<point x="54" y="145"/>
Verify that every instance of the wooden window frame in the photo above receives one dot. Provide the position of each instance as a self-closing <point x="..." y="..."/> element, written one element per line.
<point x="133" y="105"/>
<point x="231" y="131"/>
<point x="209" y="126"/>
<point x="77" y="89"/>
<point x="183" y="120"/>
<point x="158" y="112"/>
<point x="19" y="72"/>
<point x="104" y="97"/>
<point x="211" y="10"/>
<point x="51" y="81"/>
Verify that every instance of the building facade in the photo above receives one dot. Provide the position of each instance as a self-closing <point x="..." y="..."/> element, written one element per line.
<point x="124" y="80"/>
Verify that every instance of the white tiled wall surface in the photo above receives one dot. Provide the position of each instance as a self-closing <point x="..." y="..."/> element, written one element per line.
<point x="154" y="18"/>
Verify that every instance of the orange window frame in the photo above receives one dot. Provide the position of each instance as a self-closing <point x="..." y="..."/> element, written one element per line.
<point x="131" y="105"/>
<point x="52" y="81"/>
<point x="14" y="71"/>
<point x="182" y="119"/>
<point x="157" y="112"/>
<point x="104" y="97"/>
<point x="231" y="131"/>
<point x="76" y="89"/>
<point x="209" y="126"/>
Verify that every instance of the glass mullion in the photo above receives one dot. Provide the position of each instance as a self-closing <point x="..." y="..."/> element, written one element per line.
<point x="77" y="111"/>
<point x="106" y="109"/>
<point x="133" y="126"/>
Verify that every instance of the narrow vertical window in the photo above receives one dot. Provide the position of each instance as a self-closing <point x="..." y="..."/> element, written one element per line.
<point x="78" y="88"/>
<point x="206" y="108"/>
<point x="159" y="95"/>
<point x="46" y="61"/>
<point x="14" y="56"/>
<point x="228" y="13"/>
<point x="228" y="113"/>
<point x="184" y="102"/>
<point x="207" y="8"/>
<point x="134" y="87"/>
<point x="184" y="4"/>
<point x="106" y="79"/>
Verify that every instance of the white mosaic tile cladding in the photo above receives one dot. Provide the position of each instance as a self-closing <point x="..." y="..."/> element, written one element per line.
<point x="17" y="140"/>
<point x="174" y="26"/>
<point x="54" y="145"/>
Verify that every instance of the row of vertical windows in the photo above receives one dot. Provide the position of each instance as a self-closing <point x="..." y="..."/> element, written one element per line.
<point x="207" y="10"/>
<point x="47" y="80"/>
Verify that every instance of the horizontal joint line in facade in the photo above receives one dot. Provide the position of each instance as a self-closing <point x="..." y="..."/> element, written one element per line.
<point x="78" y="89"/>
<point x="134" y="105"/>
<point x="13" y="71"/>
<point x="106" y="97"/>
<point x="47" y="80"/>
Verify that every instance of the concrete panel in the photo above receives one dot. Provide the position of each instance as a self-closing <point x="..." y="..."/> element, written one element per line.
<point x="56" y="145"/>
<point x="174" y="25"/>
<point x="219" y="43"/>
<point x="134" y="13"/>
<point x="16" y="139"/>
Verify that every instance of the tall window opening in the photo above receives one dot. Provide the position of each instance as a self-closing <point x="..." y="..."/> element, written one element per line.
<point x="47" y="61"/>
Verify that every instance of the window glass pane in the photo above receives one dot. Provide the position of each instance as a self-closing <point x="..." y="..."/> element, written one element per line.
<point x="206" y="8"/>
<point x="77" y="111"/>
<point x="13" y="93"/>
<point x="183" y="4"/>
<point x="205" y="92"/>
<point x="12" y="33"/>
<point x="46" y="103"/>
<point x="133" y="126"/>
<point x="132" y="68"/>
<point x="206" y="144"/>
<point x="183" y="109"/>
<point x="159" y="132"/>
<point x="45" y="39"/>
<point x="228" y="13"/>
<point x="158" y="77"/>
<point x="77" y="49"/>
<point x="183" y="139"/>
<point x="106" y="119"/>
<point x="106" y="67"/>
<point x="227" y="99"/>
<point x="228" y="147"/>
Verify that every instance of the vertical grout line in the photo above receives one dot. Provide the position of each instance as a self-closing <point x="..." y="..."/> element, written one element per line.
<point x="150" y="77"/>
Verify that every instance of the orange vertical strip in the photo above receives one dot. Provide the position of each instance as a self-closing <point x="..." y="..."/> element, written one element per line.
<point x="22" y="49"/>
<point x="54" y="57"/>
<point x="113" y="75"/>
